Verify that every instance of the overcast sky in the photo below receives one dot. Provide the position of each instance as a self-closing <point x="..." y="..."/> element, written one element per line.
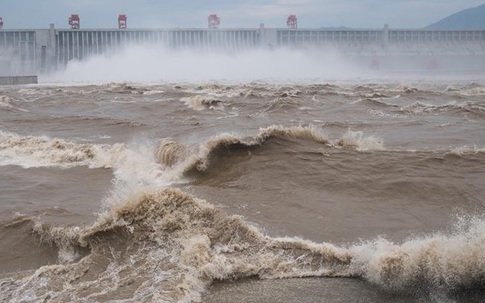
<point x="233" y="13"/>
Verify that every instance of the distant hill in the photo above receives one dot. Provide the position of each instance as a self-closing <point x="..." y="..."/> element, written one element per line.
<point x="472" y="18"/>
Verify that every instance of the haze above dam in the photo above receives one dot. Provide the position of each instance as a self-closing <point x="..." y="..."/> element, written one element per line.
<point x="33" y="51"/>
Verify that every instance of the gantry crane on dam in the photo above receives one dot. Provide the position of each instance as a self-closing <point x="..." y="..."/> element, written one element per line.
<point x="213" y="21"/>
<point x="122" y="21"/>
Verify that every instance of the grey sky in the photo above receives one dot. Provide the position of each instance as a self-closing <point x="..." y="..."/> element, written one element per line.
<point x="193" y="13"/>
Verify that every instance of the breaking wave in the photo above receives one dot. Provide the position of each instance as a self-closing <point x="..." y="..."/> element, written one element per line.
<point x="281" y="104"/>
<point x="199" y="102"/>
<point x="424" y="108"/>
<point x="6" y="104"/>
<point x="359" y="142"/>
<point x="183" y="159"/>
<point x="134" y="163"/>
<point x="376" y="102"/>
<point x="465" y="150"/>
<point x="5" y="101"/>
<point x="199" y="157"/>
<point x="35" y="151"/>
<point x="441" y="261"/>
<point x="167" y="246"/>
<point x="473" y="90"/>
<point x="170" y="159"/>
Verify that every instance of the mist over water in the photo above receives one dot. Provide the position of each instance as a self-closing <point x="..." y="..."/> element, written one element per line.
<point x="152" y="63"/>
<point x="156" y="63"/>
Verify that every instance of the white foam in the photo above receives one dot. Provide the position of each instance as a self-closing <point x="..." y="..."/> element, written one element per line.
<point x="356" y="139"/>
<point x="199" y="102"/>
<point x="42" y="151"/>
<point x="466" y="150"/>
<point x="178" y="245"/>
<point x="419" y="107"/>
<point x="133" y="163"/>
<point x="440" y="260"/>
<point x="476" y="91"/>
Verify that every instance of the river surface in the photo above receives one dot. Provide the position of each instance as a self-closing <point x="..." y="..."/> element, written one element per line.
<point x="318" y="191"/>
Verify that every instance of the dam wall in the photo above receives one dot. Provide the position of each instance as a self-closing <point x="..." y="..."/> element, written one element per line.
<point x="32" y="51"/>
<point x="18" y="80"/>
<point x="80" y="44"/>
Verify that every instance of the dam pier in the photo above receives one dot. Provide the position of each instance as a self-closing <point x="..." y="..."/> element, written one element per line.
<point x="33" y="51"/>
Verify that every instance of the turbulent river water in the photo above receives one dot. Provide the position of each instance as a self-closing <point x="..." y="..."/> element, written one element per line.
<point x="323" y="191"/>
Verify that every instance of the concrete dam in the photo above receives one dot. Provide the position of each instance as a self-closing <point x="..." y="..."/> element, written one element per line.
<point x="33" y="51"/>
